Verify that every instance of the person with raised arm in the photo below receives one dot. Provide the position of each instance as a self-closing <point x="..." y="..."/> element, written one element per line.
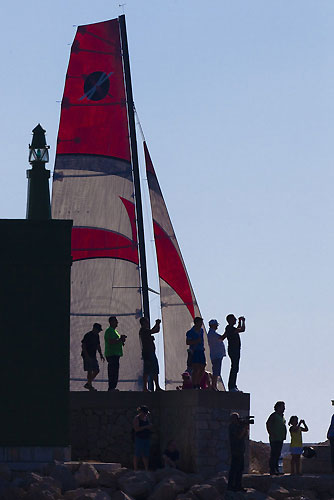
<point x="151" y="365"/>
<point x="234" y="347"/>
<point x="296" y="446"/>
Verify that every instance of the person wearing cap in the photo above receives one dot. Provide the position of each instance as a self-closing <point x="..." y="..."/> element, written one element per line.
<point x="217" y="351"/>
<point x="90" y="345"/>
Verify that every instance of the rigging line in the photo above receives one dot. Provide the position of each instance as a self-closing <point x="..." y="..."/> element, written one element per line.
<point x="139" y="124"/>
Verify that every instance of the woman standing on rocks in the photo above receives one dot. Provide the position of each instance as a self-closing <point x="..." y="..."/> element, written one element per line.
<point x="142" y="428"/>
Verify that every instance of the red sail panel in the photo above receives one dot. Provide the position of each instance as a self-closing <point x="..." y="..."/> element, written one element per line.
<point x="94" y="95"/>
<point x="178" y="302"/>
<point x="93" y="185"/>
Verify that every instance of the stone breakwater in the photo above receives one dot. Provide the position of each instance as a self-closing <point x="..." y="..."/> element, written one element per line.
<point x="83" y="482"/>
<point x="197" y="420"/>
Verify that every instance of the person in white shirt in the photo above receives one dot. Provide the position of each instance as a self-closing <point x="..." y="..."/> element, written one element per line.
<point x="217" y="351"/>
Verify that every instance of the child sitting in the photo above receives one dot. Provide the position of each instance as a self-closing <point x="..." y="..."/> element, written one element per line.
<point x="187" y="383"/>
<point x="171" y="455"/>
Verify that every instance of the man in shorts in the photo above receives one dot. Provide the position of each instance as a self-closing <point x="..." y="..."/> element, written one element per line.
<point x="217" y="351"/>
<point x="90" y="345"/>
<point x="151" y="365"/>
<point x="195" y="341"/>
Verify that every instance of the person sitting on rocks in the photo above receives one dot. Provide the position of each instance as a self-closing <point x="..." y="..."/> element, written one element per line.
<point x="142" y="427"/>
<point x="171" y="455"/>
<point x="296" y="446"/>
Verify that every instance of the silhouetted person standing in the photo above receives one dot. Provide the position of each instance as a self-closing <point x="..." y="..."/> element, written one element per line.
<point x="113" y="351"/>
<point x="234" y="347"/>
<point x="330" y="436"/>
<point x="217" y="351"/>
<point x="277" y="433"/>
<point x="151" y="365"/>
<point x="238" y="431"/>
<point x="196" y="356"/>
<point x="90" y="345"/>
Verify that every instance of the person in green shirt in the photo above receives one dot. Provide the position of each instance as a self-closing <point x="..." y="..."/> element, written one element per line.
<point x="277" y="433"/>
<point x="114" y="343"/>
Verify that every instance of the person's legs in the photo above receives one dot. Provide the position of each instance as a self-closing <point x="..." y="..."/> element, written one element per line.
<point x="235" y="358"/>
<point x="135" y="462"/>
<point x="275" y="453"/>
<point x="145" y="460"/>
<point x="216" y="372"/>
<point x="195" y="375"/>
<point x="113" y="371"/>
<point x="155" y="371"/>
<point x="297" y="462"/>
<point x="293" y="464"/>
<point x="156" y="383"/>
<point x="90" y="376"/>
<point x="145" y="382"/>
<point x="232" y="473"/>
<point x="239" y="471"/>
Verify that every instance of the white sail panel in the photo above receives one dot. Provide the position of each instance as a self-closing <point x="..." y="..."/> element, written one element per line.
<point x="178" y="302"/>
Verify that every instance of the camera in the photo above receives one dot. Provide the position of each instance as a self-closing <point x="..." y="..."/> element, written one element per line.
<point x="247" y="420"/>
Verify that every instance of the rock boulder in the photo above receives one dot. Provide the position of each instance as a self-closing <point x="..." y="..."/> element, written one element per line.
<point x="86" y="476"/>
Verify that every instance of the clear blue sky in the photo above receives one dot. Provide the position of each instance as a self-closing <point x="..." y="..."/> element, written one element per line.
<point x="236" y="100"/>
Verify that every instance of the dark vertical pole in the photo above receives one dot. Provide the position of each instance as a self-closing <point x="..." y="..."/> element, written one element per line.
<point x="135" y="167"/>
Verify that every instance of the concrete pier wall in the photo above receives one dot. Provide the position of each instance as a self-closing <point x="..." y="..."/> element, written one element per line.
<point x="101" y="425"/>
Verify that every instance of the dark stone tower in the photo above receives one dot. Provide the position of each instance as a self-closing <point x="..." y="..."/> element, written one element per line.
<point x="35" y="266"/>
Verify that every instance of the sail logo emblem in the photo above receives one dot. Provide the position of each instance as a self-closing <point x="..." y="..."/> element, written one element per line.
<point x="96" y="86"/>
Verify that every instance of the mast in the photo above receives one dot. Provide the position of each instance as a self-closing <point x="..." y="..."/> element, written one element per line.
<point x="135" y="166"/>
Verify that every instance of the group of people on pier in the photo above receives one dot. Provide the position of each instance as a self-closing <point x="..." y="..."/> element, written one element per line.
<point x="195" y="376"/>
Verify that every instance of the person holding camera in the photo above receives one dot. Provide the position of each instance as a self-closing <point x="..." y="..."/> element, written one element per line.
<point x="238" y="432"/>
<point x="151" y="365"/>
<point x="296" y="446"/>
<point x="234" y="347"/>
<point x="114" y="343"/>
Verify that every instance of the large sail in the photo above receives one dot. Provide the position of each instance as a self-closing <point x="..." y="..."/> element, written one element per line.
<point x="93" y="185"/>
<point x="178" y="302"/>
